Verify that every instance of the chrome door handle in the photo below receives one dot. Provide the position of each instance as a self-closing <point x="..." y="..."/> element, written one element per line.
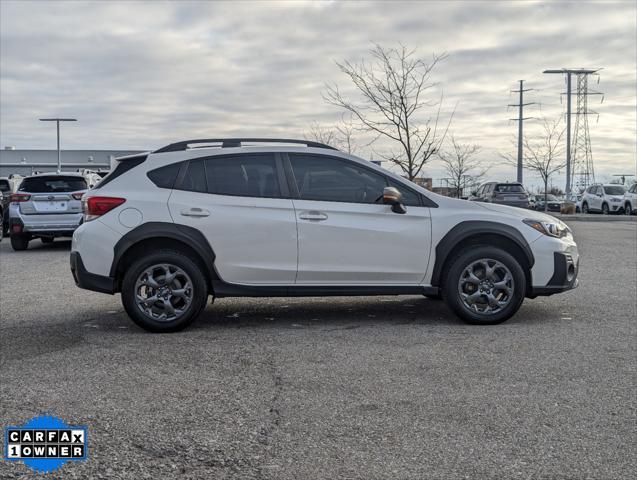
<point x="195" y="212"/>
<point x="313" y="216"/>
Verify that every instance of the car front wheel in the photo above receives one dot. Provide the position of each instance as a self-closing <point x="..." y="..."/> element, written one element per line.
<point x="164" y="291"/>
<point x="628" y="209"/>
<point x="584" y="207"/>
<point x="605" y="210"/>
<point x="484" y="286"/>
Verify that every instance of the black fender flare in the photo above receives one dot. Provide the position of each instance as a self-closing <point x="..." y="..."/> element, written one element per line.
<point x="472" y="228"/>
<point x="182" y="233"/>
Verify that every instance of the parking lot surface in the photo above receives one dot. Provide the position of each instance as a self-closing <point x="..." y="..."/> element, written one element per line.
<point x="369" y="388"/>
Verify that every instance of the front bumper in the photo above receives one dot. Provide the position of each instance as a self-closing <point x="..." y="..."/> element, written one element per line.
<point x="565" y="270"/>
<point x="87" y="280"/>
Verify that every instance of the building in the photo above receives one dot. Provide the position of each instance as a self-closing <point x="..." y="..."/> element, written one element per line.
<point x="26" y="162"/>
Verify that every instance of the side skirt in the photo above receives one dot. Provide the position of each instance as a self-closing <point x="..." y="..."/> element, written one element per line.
<point x="223" y="289"/>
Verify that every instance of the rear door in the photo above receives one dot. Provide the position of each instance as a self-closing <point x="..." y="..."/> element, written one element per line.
<point x="345" y="235"/>
<point x="241" y="204"/>
<point x="50" y="195"/>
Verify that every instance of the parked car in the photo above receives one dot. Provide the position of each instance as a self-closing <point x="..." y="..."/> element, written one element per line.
<point x="512" y="194"/>
<point x="603" y="198"/>
<point x="5" y="192"/>
<point x="630" y="200"/>
<point x="575" y="198"/>
<point x="46" y="206"/>
<point x="554" y="203"/>
<point x="170" y="228"/>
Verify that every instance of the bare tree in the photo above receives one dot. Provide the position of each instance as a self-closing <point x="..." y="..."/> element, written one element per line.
<point x="345" y="131"/>
<point x="395" y="103"/>
<point x="544" y="154"/>
<point x="322" y="134"/>
<point x="461" y="165"/>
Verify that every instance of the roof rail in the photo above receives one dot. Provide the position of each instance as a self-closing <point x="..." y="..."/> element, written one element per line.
<point x="236" y="142"/>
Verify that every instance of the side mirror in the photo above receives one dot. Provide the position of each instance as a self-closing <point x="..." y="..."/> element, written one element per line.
<point x="391" y="196"/>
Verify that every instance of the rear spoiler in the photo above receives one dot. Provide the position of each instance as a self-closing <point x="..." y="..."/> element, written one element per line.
<point x="134" y="156"/>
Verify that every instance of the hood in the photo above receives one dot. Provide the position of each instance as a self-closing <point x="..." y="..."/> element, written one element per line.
<point x="516" y="212"/>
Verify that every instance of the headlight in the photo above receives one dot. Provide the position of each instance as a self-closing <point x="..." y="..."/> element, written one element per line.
<point x="556" y="229"/>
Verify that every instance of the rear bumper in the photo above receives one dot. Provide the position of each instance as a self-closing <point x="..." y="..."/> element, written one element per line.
<point x="87" y="280"/>
<point x="565" y="270"/>
<point x="62" y="224"/>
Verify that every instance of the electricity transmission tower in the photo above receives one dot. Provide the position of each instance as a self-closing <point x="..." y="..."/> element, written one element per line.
<point x="583" y="173"/>
<point x="520" y="121"/>
<point x="579" y="155"/>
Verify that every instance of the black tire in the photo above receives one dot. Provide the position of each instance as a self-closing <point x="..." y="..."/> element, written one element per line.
<point x="585" y="207"/>
<point x="177" y="259"/>
<point x="47" y="239"/>
<point x="605" y="210"/>
<point x="20" y="242"/>
<point x="451" y="294"/>
<point x="628" y="209"/>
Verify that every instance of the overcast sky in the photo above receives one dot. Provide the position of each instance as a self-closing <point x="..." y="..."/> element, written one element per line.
<point x="141" y="75"/>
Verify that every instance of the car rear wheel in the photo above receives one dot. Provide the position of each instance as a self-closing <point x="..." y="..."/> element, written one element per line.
<point x="584" y="207"/>
<point x="164" y="291"/>
<point x="20" y="242"/>
<point x="605" y="210"/>
<point x="628" y="209"/>
<point x="484" y="286"/>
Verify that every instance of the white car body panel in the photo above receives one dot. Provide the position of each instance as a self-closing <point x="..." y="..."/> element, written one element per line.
<point x="262" y="241"/>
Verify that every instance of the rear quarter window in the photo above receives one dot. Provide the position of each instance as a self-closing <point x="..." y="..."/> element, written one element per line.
<point x="165" y="177"/>
<point x="53" y="184"/>
<point x="5" y="186"/>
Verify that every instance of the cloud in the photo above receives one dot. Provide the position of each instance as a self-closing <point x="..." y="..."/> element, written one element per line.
<point x="143" y="74"/>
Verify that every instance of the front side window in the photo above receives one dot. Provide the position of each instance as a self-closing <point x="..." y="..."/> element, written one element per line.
<point x="329" y="179"/>
<point x="253" y="175"/>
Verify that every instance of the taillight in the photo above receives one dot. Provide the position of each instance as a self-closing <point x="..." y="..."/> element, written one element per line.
<point x="77" y="196"/>
<point x="97" y="206"/>
<point x="19" y="197"/>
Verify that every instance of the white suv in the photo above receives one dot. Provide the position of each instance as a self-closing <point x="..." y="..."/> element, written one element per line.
<point x="630" y="200"/>
<point x="256" y="218"/>
<point x="603" y="198"/>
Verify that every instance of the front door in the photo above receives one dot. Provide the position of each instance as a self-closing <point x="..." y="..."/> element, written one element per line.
<point x="236" y="202"/>
<point x="345" y="236"/>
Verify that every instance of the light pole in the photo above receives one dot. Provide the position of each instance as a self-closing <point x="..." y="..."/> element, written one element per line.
<point x="57" y="121"/>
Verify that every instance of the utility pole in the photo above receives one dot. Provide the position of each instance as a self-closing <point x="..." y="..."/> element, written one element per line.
<point x="520" y="121"/>
<point x="57" y="121"/>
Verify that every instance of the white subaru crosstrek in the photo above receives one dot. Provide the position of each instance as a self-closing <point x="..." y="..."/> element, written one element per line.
<point x="257" y="218"/>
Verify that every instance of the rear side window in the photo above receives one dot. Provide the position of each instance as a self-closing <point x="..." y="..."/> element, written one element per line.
<point x="164" y="177"/>
<point x="244" y="175"/>
<point x="121" y="168"/>
<point x="52" y="184"/>
<point x="195" y="178"/>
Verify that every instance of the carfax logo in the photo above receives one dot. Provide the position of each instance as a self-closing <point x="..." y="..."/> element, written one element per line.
<point x="45" y="443"/>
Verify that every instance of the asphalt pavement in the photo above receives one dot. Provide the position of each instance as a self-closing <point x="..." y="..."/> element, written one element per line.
<point x="360" y="388"/>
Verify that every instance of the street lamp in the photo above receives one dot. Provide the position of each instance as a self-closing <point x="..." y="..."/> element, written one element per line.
<point x="57" y="121"/>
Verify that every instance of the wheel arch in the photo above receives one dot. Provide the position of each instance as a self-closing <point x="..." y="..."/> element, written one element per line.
<point x="476" y="232"/>
<point x="157" y="235"/>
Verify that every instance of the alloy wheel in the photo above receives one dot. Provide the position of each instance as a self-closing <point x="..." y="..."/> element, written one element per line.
<point x="163" y="292"/>
<point x="486" y="286"/>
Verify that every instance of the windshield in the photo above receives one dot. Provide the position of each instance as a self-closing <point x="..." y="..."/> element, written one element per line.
<point x="615" y="190"/>
<point x="52" y="184"/>
<point x="509" y="189"/>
